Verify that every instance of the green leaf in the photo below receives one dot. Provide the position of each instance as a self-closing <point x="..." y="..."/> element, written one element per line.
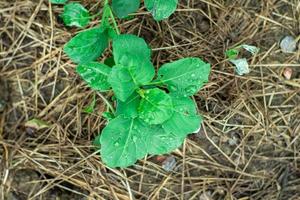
<point x="232" y="53"/>
<point x="130" y="50"/>
<point x="90" y="108"/>
<point x="184" y="77"/>
<point x="156" y="106"/>
<point x="123" y="141"/>
<point x="75" y="15"/>
<point x="129" y="108"/>
<point x="108" y="116"/>
<point x="125" y="80"/>
<point x="161" y="142"/>
<point x="58" y="1"/>
<point x="95" y="74"/>
<point x="184" y="119"/>
<point x="87" y="46"/>
<point x="161" y="9"/>
<point x="122" y="82"/>
<point x="124" y="7"/>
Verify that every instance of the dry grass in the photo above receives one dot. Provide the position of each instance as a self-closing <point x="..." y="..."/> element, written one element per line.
<point x="248" y="147"/>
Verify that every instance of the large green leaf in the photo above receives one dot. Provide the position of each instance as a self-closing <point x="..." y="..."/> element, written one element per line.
<point x="87" y="46"/>
<point x="125" y="80"/>
<point x="123" y="141"/>
<point x="156" y="106"/>
<point x="161" y="142"/>
<point x="161" y="9"/>
<point x="129" y="108"/>
<point x="123" y="84"/>
<point x="124" y="7"/>
<point x="184" y="119"/>
<point x="58" y="1"/>
<point x="130" y="50"/>
<point x="75" y="15"/>
<point x="95" y="74"/>
<point x="184" y="77"/>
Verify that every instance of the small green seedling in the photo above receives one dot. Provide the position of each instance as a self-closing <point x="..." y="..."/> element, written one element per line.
<point x="241" y="64"/>
<point x="159" y="9"/>
<point x="58" y="1"/>
<point x="151" y="113"/>
<point x="153" y="116"/>
<point x="75" y="15"/>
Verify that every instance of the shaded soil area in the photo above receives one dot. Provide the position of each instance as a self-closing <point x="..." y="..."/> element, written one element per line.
<point x="248" y="146"/>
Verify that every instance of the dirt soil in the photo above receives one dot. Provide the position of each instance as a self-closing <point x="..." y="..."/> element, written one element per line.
<point x="249" y="143"/>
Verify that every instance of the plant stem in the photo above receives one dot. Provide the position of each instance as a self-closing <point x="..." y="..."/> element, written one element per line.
<point x="114" y="21"/>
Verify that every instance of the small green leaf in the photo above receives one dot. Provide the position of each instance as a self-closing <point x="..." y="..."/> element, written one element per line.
<point x="156" y="106"/>
<point x="130" y="50"/>
<point x="108" y="116"/>
<point x="123" y="141"/>
<point x="184" y="77"/>
<point x="184" y="119"/>
<point x="75" y="15"/>
<point x="124" y="7"/>
<point x="95" y="74"/>
<point x="125" y="80"/>
<point x="232" y="53"/>
<point x="161" y="9"/>
<point x="90" y="108"/>
<point x="161" y="142"/>
<point x="58" y="1"/>
<point x="129" y="108"/>
<point x="87" y="46"/>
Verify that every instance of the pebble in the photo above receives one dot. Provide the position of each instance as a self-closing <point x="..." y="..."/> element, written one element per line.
<point x="287" y="73"/>
<point x="169" y="164"/>
<point x="288" y="44"/>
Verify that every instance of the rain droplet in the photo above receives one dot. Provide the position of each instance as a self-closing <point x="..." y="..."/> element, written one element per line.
<point x="193" y="75"/>
<point x="116" y="144"/>
<point x="134" y="138"/>
<point x="173" y="88"/>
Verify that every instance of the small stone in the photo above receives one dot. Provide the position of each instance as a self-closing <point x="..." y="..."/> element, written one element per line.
<point x="205" y="196"/>
<point x="169" y="164"/>
<point x="232" y="141"/>
<point x="2" y="105"/>
<point x="288" y="44"/>
<point x="287" y="73"/>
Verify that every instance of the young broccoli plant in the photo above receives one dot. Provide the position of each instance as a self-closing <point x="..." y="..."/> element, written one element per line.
<point x="153" y="115"/>
<point x="153" y="112"/>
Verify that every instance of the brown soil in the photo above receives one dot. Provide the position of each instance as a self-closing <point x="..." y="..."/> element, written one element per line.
<point x="248" y="147"/>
